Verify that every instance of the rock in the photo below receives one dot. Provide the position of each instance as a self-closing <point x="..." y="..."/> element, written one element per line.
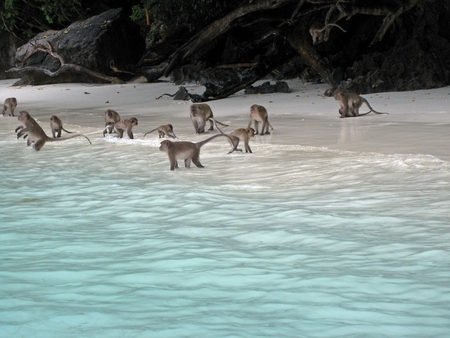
<point x="266" y="88"/>
<point x="99" y="44"/>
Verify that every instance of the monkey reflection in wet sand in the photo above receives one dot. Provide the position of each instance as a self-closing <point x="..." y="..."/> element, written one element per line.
<point x="111" y="118"/>
<point x="10" y="103"/>
<point x="200" y="113"/>
<point x="187" y="151"/>
<point x="127" y="125"/>
<point x="350" y="104"/>
<point x="317" y="32"/>
<point x="163" y="131"/>
<point x="36" y="134"/>
<point x="56" y="126"/>
<point x="259" y="114"/>
<point x="242" y="134"/>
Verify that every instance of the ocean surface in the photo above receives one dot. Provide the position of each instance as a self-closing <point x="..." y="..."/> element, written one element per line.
<point x="103" y="240"/>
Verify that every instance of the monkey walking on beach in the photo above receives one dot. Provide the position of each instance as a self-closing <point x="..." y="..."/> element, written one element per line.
<point x="35" y="133"/>
<point x="56" y="126"/>
<point x="10" y="103"/>
<point x="187" y="151"/>
<point x="350" y="104"/>
<point x="242" y="134"/>
<point x="111" y="118"/>
<point x="123" y="125"/>
<point x="200" y="113"/>
<point x="259" y="114"/>
<point x="164" y="130"/>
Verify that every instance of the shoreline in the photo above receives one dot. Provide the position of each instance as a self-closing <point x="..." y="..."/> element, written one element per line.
<point x="418" y="121"/>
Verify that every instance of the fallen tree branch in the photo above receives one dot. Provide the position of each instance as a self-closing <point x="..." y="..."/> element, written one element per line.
<point x="64" y="66"/>
<point x="219" y="27"/>
<point x="389" y="20"/>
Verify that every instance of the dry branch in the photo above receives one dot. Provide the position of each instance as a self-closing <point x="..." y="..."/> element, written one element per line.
<point x="219" y="27"/>
<point x="64" y="66"/>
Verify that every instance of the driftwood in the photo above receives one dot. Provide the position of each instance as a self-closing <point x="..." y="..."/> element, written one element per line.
<point x="64" y="66"/>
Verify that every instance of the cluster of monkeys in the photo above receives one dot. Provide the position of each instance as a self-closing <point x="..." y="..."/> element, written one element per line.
<point x="200" y="114"/>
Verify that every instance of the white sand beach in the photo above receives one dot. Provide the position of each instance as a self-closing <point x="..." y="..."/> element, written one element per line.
<point x="418" y="122"/>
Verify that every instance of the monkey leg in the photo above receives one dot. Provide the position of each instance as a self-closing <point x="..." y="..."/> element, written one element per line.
<point x="39" y="144"/>
<point x="211" y="127"/>
<point x="256" y="128"/>
<point x="196" y="162"/>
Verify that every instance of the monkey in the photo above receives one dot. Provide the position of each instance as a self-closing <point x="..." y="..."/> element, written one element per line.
<point x="127" y="125"/>
<point x="164" y="130"/>
<point x="56" y="126"/>
<point x="317" y="32"/>
<point x="242" y="134"/>
<point x="350" y="104"/>
<point x="111" y="118"/>
<point x="200" y="113"/>
<point x="10" y="103"/>
<point x="35" y="133"/>
<point x="259" y="114"/>
<point x="187" y="151"/>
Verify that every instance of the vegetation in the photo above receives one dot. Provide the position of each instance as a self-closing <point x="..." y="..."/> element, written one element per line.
<point x="26" y="18"/>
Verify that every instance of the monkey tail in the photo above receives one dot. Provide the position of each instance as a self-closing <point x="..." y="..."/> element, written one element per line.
<point x="371" y="109"/>
<point x="222" y="124"/>
<point x="69" y="137"/>
<point x="333" y="24"/>
<point x="69" y="132"/>
<point x="215" y="124"/>
<point x="150" y="132"/>
<point x="202" y="143"/>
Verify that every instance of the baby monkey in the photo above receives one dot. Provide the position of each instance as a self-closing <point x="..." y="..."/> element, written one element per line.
<point x="56" y="126"/>
<point x="164" y="130"/>
<point x="10" y="103"/>
<point x="187" y="151"/>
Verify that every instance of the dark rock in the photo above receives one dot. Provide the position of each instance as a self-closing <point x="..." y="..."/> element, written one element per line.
<point x="266" y="88"/>
<point x="98" y="44"/>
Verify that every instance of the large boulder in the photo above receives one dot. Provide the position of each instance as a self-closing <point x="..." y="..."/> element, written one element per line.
<point x="103" y="48"/>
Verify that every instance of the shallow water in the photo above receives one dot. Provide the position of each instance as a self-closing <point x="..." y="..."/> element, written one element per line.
<point x="290" y="241"/>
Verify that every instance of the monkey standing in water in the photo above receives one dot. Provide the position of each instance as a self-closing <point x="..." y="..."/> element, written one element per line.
<point x="164" y="130"/>
<point x="259" y="114"/>
<point x="187" y="151"/>
<point x="350" y="104"/>
<point x="35" y="133"/>
<point x="111" y="118"/>
<point x="127" y="125"/>
<point x="317" y="32"/>
<point x="56" y="126"/>
<point x="200" y="113"/>
<point x="242" y="134"/>
<point x="10" y="103"/>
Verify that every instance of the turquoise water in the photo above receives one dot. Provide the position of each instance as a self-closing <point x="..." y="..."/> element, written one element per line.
<point x="291" y="241"/>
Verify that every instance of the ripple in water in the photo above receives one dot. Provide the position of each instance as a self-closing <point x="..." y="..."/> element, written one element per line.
<point x="105" y="241"/>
